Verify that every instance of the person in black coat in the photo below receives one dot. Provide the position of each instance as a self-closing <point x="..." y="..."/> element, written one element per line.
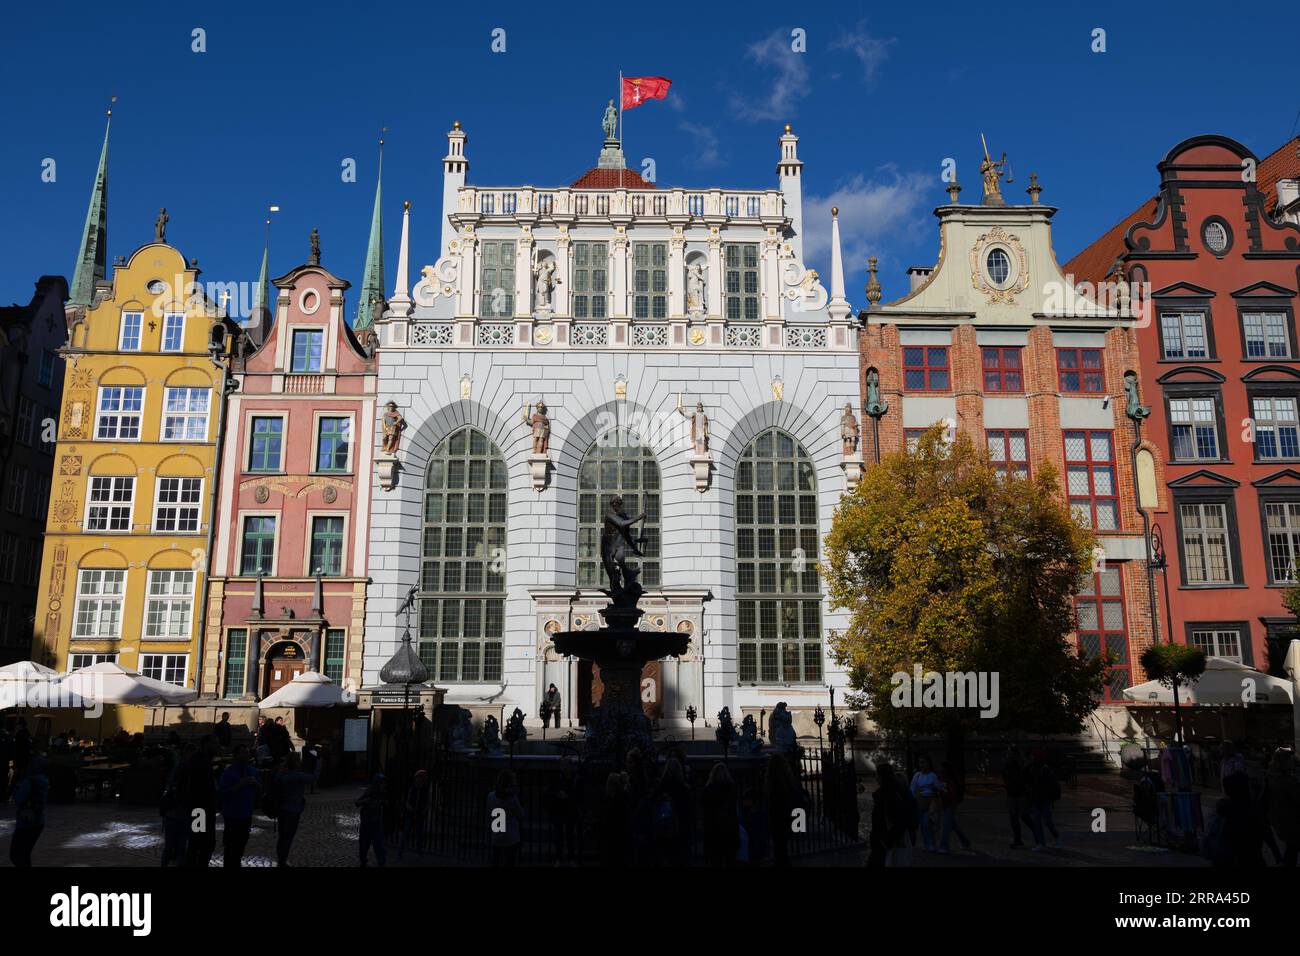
<point x="721" y="819"/>
<point x="197" y="791"/>
<point x="223" y="731"/>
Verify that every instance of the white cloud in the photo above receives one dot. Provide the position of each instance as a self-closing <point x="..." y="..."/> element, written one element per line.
<point x="870" y="51"/>
<point x="788" y="74"/>
<point x="877" y="215"/>
<point x="707" y="152"/>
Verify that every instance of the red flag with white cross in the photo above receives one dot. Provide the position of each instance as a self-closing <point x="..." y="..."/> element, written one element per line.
<point x="638" y="89"/>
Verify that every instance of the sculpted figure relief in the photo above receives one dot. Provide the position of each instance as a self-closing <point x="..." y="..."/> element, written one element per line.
<point x="540" y="425"/>
<point x="699" y="426"/>
<point x="393" y="423"/>
<point x="849" y="430"/>
<point x="695" y="287"/>
<point x="544" y="284"/>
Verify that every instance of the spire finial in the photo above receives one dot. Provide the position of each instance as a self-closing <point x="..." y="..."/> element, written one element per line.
<point x="371" y="297"/>
<point x="954" y="190"/>
<point x="873" y="284"/>
<point x="1034" y="189"/>
<point x="92" y="264"/>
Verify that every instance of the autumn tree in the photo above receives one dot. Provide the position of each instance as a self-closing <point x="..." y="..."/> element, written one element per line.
<point x="947" y="563"/>
<point x="1174" y="666"/>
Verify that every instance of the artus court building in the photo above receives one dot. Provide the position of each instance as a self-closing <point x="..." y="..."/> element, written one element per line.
<point x="560" y="351"/>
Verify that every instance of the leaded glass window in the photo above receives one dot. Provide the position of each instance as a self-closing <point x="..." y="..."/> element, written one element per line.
<point x="497" y="278"/>
<point x="1282" y="518"/>
<point x="236" y="663"/>
<point x="335" y="645"/>
<point x="590" y="279"/>
<point x="618" y="464"/>
<point x="740" y="285"/>
<point x="778" y="594"/>
<point x="462" y="575"/>
<point x="650" y="280"/>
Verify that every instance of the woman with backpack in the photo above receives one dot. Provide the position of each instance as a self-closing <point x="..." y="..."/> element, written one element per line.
<point x="29" y="798"/>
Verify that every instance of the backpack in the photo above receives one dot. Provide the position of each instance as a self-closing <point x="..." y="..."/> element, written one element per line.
<point x="664" y="818"/>
<point x="271" y="798"/>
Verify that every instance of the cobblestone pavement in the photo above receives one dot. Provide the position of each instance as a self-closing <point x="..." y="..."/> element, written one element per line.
<point x="86" y="833"/>
<point x="983" y="816"/>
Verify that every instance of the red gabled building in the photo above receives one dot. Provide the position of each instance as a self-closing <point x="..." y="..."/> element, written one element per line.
<point x="1217" y="251"/>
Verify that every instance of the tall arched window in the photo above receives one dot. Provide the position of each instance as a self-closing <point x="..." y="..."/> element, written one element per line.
<point x="777" y="589"/>
<point x="462" y="577"/>
<point x="617" y="464"/>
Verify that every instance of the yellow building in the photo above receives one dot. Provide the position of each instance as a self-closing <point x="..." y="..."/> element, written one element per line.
<point x="128" y="531"/>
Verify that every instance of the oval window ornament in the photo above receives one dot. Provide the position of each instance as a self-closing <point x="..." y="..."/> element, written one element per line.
<point x="1215" y="234"/>
<point x="998" y="264"/>
<point x="309" y="301"/>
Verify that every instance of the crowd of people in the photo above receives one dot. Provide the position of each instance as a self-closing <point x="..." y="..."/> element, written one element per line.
<point x="648" y="814"/>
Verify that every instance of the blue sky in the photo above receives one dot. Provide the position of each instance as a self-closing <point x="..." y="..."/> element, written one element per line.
<point x="882" y="95"/>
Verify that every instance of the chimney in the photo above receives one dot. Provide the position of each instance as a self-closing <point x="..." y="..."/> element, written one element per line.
<point x="918" y="275"/>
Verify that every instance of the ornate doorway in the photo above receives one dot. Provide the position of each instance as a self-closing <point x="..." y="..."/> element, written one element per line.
<point x="284" y="661"/>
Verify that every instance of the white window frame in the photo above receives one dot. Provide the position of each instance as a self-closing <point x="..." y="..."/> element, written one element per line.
<point x="96" y="657"/>
<point x="253" y="415"/>
<point x="108" y="504"/>
<point x="344" y="557"/>
<point x="117" y="600"/>
<point x="315" y="441"/>
<point x="1215" y="644"/>
<point x="179" y="506"/>
<point x="122" y="345"/>
<point x="1263" y="315"/>
<point x="174" y="607"/>
<point x="167" y="659"/>
<point x="26" y="421"/>
<point x="185" y="417"/>
<point x="121" y="416"/>
<point x="275" y="541"/>
<point x="293" y="336"/>
<point x="17" y="488"/>
<point x="168" y="323"/>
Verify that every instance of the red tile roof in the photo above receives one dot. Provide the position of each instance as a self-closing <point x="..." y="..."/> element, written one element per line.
<point x="1094" y="262"/>
<point x="611" y="179"/>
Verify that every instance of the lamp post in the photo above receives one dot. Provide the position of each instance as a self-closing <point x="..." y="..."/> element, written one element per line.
<point x="1160" y="562"/>
<point x="819" y="718"/>
<point x="405" y="669"/>
<point x="691" y="714"/>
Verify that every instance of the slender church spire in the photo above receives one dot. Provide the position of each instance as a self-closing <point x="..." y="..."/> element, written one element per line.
<point x="401" y="300"/>
<point x="838" y="307"/>
<point x="372" y="277"/>
<point x="92" y="258"/>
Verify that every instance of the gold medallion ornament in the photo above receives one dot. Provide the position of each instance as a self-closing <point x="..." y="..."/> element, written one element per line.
<point x="697" y="336"/>
<point x="999" y="267"/>
<point x="542" y="336"/>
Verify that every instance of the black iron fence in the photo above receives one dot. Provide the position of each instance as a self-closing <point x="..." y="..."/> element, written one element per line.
<point x="564" y="807"/>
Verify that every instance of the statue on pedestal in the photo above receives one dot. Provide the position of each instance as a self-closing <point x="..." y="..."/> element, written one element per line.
<point x="616" y="545"/>
<point x="489" y="740"/>
<point x="540" y="425"/>
<point x="544" y="284"/>
<point x="610" y="121"/>
<point x="781" y="727"/>
<point x="699" y="426"/>
<point x="849" y="431"/>
<point x="749" y="742"/>
<point x="462" y="732"/>
<point x="393" y="423"/>
<point x="695" y="288"/>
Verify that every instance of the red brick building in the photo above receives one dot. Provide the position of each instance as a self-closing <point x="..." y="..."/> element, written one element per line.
<point x="1218" y="251"/>
<point x="995" y="339"/>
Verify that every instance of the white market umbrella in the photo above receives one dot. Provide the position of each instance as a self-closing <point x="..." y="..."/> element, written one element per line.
<point x="28" y="684"/>
<point x="1223" y="684"/>
<point x="110" y="683"/>
<point x="308" y="689"/>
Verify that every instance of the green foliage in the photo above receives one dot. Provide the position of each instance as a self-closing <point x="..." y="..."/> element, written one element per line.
<point x="943" y="562"/>
<point x="1291" y="599"/>
<point x="1173" y="664"/>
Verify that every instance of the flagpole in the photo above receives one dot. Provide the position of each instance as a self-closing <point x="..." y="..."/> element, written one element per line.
<point x="620" y="127"/>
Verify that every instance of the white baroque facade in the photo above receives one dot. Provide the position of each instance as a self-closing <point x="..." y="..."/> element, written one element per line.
<point x="613" y="302"/>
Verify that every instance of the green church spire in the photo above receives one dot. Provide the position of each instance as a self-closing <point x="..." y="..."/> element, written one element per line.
<point x="259" y="293"/>
<point x="92" y="258"/>
<point x="372" y="279"/>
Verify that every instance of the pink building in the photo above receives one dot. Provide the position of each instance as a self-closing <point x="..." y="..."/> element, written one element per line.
<point x="288" y="581"/>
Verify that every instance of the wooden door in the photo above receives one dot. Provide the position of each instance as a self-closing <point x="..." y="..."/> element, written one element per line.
<point x="281" y="670"/>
